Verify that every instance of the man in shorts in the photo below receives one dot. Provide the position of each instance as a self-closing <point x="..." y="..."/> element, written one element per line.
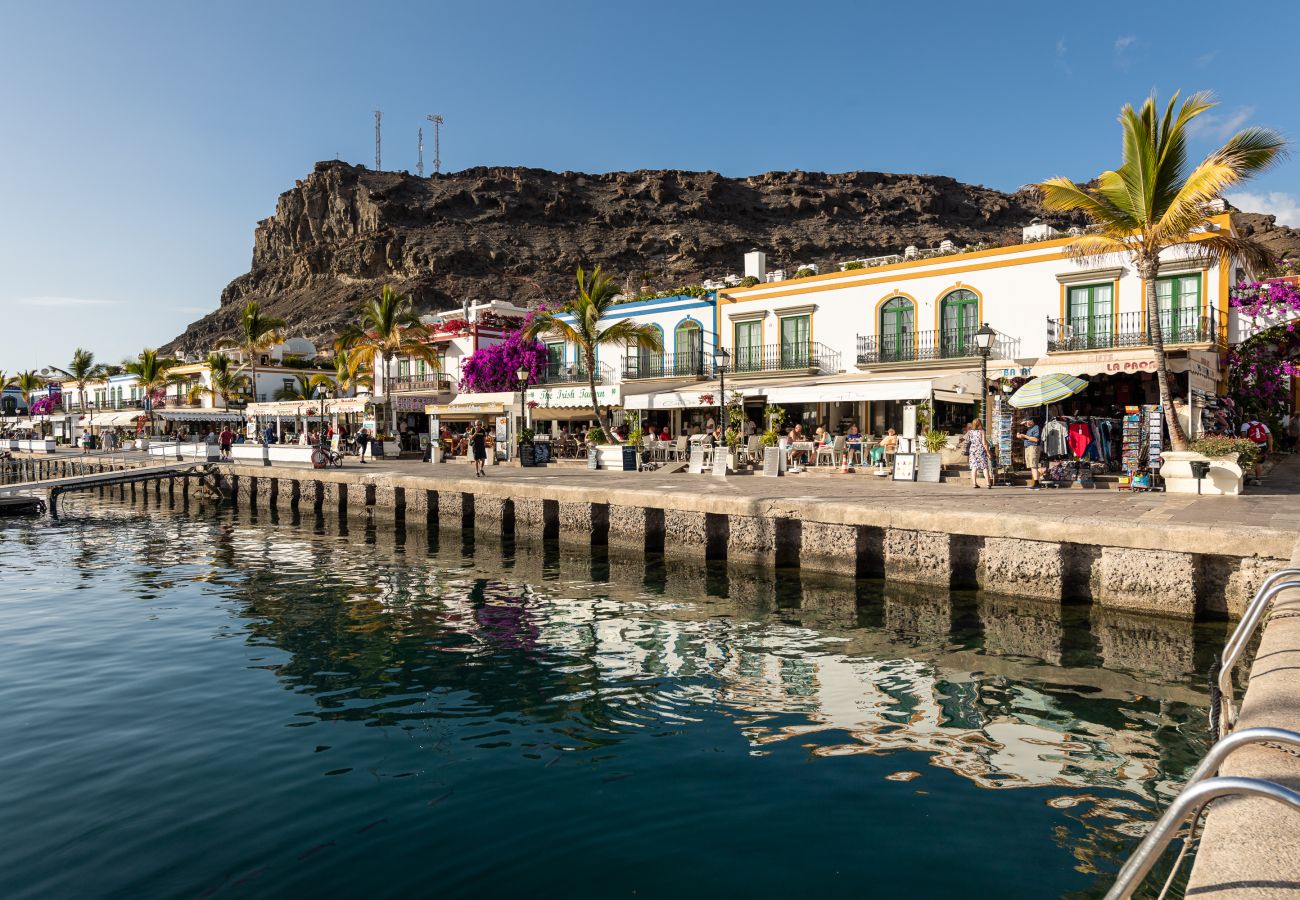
<point x="1032" y="435"/>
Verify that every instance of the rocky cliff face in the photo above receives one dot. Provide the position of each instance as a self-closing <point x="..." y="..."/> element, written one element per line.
<point x="519" y="234"/>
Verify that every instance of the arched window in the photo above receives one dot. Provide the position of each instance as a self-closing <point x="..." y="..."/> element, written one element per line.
<point x="958" y="321"/>
<point x="642" y="362"/>
<point x="688" y="348"/>
<point x="897" y="329"/>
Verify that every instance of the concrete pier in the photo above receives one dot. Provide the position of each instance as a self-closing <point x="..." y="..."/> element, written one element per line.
<point x="1183" y="571"/>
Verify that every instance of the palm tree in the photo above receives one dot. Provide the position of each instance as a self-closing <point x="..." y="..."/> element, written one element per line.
<point x="579" y="323"/>
<point x="81" y="371"/>
<point x="1152" y="202"/>
<point x="257" y="332"/>
<point x="153" y="373"/>
<point x="28" y="383"/>
<point x="224" y="381"/>
<point x="304" y="389"/>
<point x="388" y="327"/>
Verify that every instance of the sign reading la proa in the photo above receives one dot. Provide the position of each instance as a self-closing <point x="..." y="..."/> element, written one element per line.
<point x="696" y="464"/>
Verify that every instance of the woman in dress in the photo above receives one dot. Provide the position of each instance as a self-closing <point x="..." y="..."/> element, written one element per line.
<point x="478" y="444"/>
<point x="977" y="451"/>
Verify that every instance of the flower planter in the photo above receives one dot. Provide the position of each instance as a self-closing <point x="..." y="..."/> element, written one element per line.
<point x="610" y="456"/>
<point x="1224" y="476"/>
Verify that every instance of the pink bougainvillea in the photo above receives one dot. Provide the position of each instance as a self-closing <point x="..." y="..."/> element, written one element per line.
<point x="1260" y="367"/>
<point x="493" y="368"/>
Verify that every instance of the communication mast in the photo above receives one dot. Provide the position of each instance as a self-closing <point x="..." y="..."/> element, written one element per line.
<point x="378" y="165"/>
<point x="437" y="154"/>
<point x="419" y="163"/>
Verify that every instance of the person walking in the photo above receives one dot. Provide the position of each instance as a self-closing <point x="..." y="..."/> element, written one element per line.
<point x="478" y="448"/>
<point x="977" y="451"/>
<point x="1033" y="438"/>
<point x="363" y="444"/>
<point x="1259" y="434"/>
<point x="1293" y="430"/>
<point x="227" y="439"/>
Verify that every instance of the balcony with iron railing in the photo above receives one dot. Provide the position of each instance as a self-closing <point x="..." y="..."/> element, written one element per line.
<point x="667" y="365"/>
<point x="1182" y="326"/>
<point x="575" y="373"/>
<point x="431" y="383"/>
<point x="929" y="346"/>
<point x="812" y="358"/>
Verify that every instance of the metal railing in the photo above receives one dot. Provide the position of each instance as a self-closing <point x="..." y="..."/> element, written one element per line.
<point x="1183" y="326"/>
<point x="666" y="365"/>
<point x="920" y="346"/>
<point x="1240" y="637"/>
<point x="786" y="357"/>
<point x="432" y="383"/>
<point x="575" y="373"/>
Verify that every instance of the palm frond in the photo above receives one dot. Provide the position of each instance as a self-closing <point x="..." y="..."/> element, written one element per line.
<point x="625" y="332"/>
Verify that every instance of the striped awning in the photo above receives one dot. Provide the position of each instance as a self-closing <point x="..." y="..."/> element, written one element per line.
<point x="201" y="415"/>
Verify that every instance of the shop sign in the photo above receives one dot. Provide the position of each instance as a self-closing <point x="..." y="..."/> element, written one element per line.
<point x="576" y="395"/>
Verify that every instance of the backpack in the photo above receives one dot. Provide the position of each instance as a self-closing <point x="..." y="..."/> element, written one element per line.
<point x="1257" y="432"/>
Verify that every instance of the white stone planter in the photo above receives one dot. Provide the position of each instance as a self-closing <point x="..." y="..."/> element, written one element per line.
<point x="1224" y="477"/>
<point x="610" y="456"/>
<point x="186" y="450"/>
<point x="38" y="445"/>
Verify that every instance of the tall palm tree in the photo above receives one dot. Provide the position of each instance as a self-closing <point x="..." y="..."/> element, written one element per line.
<point x="579" y="323"/>
<point x="304" y="388"/>
<point x="224" y="381"/>
<point x="153" y="373"/>
<point x="257" y="332"/>
<point x="81" y="371"/>
<point x="1152" y="202"/>
<point x="388" y="328"/>
<point x="28" y="383"/>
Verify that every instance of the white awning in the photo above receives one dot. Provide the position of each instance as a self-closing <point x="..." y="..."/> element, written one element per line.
<point x="703" y="395"/>
<point x="954" y="388"/>
<point x="1201" y="366"/>
<point x="346" y="405"/>
<point x="568" y="396"/>
<point x="201" y="415"/>
<point x="464" y="410"/>
<point x="115" y="419"/>
<point x="505" y="398"/>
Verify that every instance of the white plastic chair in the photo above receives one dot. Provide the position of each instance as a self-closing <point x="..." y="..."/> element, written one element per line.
<point x="835" y="451"/>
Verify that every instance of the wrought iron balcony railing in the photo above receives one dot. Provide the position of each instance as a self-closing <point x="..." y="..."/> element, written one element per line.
<point x="666" y="365"/>
<point x="1182" y="326"/>
<point x="575" y="373"/>
<point x="923" y="346"/>
<point x="426" y="384"/>
<point x="787" y="357"/>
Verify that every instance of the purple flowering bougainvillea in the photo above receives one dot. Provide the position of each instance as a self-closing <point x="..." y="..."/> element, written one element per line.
<point x="493" y="368"/>
<point x="1259" y="368"/>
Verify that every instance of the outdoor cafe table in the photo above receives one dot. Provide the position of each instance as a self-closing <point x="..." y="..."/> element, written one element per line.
<point x="808" y="448"/>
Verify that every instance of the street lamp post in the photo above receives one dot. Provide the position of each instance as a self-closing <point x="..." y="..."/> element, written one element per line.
<point x="521" y="375"/>
<point x="720" y="359"/>
<point x="984" y="344"/>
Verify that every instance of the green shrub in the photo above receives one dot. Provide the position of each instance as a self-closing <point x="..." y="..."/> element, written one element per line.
<point x="935" y="440"/>
<point x="749" y="281"/>
<point x="770" y="438"/>
<point x="634" y="436"/>
<point x="805" y="272"/>
<point x="1216" y="446"/>
<point x="596" y="435"/>
<point x="850" y="266"/>
<point x="525" y="436"/>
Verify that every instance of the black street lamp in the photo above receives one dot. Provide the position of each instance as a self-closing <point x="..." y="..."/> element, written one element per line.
<point x="521" y="375"/>
<point x="720" y="359"/>
<point x="984" y="344"/>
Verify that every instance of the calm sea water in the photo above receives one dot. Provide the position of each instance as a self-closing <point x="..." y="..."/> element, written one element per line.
<point x="213" y="705"/>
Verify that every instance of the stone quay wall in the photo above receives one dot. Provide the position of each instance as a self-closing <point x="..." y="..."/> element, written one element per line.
<point x="1179" y="571"/>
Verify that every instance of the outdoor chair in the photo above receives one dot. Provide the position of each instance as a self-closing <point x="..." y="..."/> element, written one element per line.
<point x="679" y="452"/>
<point x="834" y="451"/>
<point x="754" y="449"/>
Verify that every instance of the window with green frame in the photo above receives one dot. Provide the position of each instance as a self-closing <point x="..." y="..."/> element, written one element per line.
<point x="554" y="358"/>
<point x="1090" y="313"/>
<point x="1179" y="298"/>
<point x="688" y="347"/>
<point x="897" y="329"/>
<point x="796" y="341"/>
<point x="747" y="346"/>
<point x="958" y="322"/>
<point x="404" y="368"/>
<point x="643" y="361"/>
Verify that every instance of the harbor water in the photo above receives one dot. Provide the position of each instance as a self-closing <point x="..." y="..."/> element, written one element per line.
<point x="208" y="703"/>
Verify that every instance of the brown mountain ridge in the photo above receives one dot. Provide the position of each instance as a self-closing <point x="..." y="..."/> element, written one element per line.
<point x="519" y="233"/>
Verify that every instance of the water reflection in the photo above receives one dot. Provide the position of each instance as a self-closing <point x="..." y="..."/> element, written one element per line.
<point x="413" y="629"/>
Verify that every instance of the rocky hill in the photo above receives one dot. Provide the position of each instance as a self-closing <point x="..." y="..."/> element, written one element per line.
<point x="518" y="234"/>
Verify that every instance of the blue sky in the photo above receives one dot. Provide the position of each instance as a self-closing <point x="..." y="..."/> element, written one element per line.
<point x="143" y="141"/>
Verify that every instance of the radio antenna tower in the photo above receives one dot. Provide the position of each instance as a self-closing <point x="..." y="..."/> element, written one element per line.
<point x="419" y="162"/>
<point x="378" y="165"/>
<point x="437" y="154"/>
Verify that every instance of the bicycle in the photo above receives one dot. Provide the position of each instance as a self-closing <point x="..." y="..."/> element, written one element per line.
<point x="322" y="457"/>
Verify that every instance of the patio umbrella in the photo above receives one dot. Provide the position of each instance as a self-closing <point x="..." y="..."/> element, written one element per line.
<point x="1047" y="389"/>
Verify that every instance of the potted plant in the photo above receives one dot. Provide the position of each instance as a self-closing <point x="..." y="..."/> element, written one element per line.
<point x="935" y="441"/>
<point x="1228" y="459"/>
<point x="608" y="455"/>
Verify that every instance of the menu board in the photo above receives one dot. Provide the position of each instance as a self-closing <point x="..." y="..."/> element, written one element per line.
<point x="593" y="458"/>
<point x="772" y="461"/>
<point x="695" y="465"/>
<point x="720" y="461"/>
<point x="527" y="455"/>
<point x="929" y="466"/>
<point x="541" y="452"/>
<point x="905" y="466"/>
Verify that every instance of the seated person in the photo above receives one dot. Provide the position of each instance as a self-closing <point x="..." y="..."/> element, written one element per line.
<point x="889" y="443"/>
<point x="665" y="435"/>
